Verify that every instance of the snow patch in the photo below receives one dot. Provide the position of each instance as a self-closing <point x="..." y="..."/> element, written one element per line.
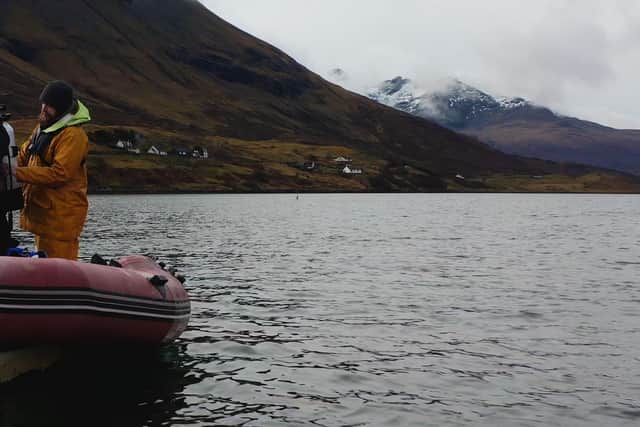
<point x="511" y="103"/>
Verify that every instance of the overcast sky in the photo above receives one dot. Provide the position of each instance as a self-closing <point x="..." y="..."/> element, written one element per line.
<point x="578" y="57"/>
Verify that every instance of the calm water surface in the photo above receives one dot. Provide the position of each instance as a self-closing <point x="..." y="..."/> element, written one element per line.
<point x="368" y="310"/>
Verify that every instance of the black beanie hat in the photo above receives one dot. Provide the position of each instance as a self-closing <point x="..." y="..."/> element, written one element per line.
<point x="59" y="95"/>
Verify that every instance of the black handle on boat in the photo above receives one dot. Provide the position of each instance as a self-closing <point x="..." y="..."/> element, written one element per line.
<point x="158" y="280"/>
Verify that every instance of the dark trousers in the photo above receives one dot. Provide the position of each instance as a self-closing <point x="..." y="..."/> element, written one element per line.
<point x="6" y="241"/>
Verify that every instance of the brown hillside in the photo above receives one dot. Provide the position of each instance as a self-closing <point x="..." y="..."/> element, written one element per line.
<point x="564" y="139"/>
<point x="174" y="68"/>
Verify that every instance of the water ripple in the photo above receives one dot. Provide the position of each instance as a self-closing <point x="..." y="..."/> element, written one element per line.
<point x="370" y="310"/>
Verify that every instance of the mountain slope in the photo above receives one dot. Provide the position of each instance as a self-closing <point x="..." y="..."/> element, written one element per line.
<point x="516" y="125"/>
<point x="176" y="73"/>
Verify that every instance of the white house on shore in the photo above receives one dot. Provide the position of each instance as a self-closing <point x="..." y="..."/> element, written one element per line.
<point x="155" y="151"/>
<point x="200" y="152"/>
<point x="128" y="146"/>
<point x="341" y="159"/>
<point x="124" y="144"/>
<point x="351" y="171"/>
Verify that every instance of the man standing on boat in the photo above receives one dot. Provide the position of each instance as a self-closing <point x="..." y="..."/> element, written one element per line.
<point x="52" y="167"/>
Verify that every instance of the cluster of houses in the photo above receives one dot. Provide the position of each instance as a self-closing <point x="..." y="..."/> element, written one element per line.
<point x="348" y="169"/>
<point x="130" y="147"/>
<point x="344" y="163"/>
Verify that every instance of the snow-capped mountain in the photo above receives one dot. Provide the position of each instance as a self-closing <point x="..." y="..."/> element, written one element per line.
<point x="515" y="125"/>
<point x="398" y="93"/>
<point x="456" y="105"/>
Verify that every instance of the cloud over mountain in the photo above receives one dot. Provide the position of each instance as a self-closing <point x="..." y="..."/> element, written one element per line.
<point x="560" y="53"/>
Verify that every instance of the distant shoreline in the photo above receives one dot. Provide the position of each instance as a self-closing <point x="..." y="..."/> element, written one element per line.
<point x="177" y="193"/>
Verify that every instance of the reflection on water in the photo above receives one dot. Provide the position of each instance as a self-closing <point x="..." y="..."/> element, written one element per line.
<point x="100" y="387"/>
<point x="345" y="310"/>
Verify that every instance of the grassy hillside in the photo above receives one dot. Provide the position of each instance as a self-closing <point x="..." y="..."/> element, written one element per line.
<point x="174" y="74"/>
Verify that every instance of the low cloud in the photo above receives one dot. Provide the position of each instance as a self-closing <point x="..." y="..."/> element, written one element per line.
<point x="577" y="56"/>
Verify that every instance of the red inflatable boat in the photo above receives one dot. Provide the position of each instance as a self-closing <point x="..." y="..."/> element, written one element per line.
<point x="56" y="301"/>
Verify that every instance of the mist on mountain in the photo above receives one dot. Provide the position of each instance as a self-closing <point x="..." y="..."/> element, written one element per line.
<point x="514" y="124"/>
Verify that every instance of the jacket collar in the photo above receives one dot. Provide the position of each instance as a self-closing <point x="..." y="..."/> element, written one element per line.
<point x="79" y="117"/>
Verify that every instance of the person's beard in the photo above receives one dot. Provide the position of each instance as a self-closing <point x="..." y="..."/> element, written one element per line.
<point x="45" y="120"/>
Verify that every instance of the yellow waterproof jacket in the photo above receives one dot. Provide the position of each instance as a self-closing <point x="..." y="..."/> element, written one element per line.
<point x="55" y="180"/>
